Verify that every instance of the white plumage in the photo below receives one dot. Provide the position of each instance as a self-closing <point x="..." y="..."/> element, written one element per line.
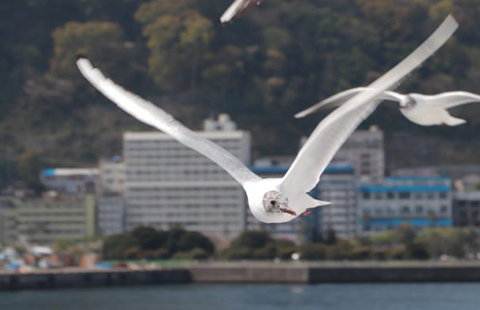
<point x="236" y="9"/>
<point x="424" y="110"/>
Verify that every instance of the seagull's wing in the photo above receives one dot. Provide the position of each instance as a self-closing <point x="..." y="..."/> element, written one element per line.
<point x="334" y="130"/>
<point x="236" y="9"/>
<point x="152" y="115"/>
<point x="333" y="101"/>
<point x="342" y="97"/>
<point x="452" y="99"/>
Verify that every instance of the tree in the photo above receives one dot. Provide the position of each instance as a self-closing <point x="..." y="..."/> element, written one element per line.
<point x="178" y="39"/>
<point x="29" y="166"/>
<point x="149" y="239"/>
<point x="102" y="41"/>
<point x="252" y="240"/>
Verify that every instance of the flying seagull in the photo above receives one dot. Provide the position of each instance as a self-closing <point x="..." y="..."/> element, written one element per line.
<point x="237" y="9"/>
<point x="420" y="109"/>
<point x="280" y="199"/>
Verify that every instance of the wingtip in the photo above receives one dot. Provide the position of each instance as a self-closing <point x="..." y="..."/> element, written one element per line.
<point x="81" y="56"/>
<point x="300" y="115"/>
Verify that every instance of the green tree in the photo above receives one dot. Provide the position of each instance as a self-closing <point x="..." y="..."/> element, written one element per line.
<point x="102" y="41"/>
<point x="29" y="167"/>
<point x="179" y="39"/>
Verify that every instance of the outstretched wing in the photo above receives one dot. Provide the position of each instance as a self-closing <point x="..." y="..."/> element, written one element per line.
<point x="152" y="115"/>
<point x="452" y="99"/>
<point x="334" y="130"/>
<point x="342" y="97"/>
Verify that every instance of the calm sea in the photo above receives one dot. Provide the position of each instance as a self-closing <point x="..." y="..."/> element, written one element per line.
<point x="249" y="297"/>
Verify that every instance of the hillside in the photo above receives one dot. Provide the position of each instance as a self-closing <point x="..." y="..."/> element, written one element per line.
<point x="276" y="60"/>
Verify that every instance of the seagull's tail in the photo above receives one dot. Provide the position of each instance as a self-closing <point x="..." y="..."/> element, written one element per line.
<point x="309" y="202"/>
<point x="453" y="121"/>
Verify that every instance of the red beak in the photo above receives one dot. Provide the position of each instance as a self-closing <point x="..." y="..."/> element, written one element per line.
<point x="287" y="210"/>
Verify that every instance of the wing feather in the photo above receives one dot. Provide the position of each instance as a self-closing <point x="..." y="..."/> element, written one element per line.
<point x="152" y="115"/>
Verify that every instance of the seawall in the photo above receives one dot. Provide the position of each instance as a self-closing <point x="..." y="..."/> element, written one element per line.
<point x="245" y="273"/>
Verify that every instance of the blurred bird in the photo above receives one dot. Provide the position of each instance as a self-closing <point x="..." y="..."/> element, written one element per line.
<point x="420" y="109"/>
<point x="280" y="199"/>
<point x="237" y="9"/>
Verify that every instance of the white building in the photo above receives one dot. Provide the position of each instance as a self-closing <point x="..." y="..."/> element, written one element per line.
<point x="364" y="150"/>
<point x="73" y="181"/>
<point x="168" y="184"/>
<point x="421" y="201"/>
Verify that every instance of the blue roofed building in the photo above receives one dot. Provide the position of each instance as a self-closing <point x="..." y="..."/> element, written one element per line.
<point x="421" y="201"/>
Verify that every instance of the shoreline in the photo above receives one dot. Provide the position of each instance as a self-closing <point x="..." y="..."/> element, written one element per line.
<point x="248" y="273"/>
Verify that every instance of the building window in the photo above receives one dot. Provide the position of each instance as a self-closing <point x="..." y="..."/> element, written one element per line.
<point x="443" y="209"/>
<point x="390" y="195"/>
<point x="405" y="210"/>
<point x="419" y="209"/>
<point x="443" y="195"/>
<point x="366" y="195"/>
<point x="404" y="195"/>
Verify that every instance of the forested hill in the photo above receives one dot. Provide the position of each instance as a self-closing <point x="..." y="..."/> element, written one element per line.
<point x="277" y="59"/>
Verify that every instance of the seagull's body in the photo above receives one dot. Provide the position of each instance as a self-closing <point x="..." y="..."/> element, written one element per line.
<point x="424" y="110"/>
<point x="281" y="199"/>
<point x="237" y="9"/>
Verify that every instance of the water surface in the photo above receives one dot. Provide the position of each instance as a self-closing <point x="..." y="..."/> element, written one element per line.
<point x="248" y="297"/>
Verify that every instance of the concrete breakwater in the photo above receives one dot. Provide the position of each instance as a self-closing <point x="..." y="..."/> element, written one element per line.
<point x="245" y="273"/>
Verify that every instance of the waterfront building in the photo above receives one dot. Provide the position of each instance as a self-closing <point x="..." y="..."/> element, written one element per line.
<point x="466" y="209"/>
<point x="168" y="184"/>
<point x="421" y="201"/>
<point x="48" y="219"/>
<point x="72" y="181"/>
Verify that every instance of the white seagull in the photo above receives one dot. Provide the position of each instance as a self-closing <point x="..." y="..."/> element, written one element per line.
<point x="237" y="9"/>
<point x="280" y="199"/>
<point x="424" y="110"/>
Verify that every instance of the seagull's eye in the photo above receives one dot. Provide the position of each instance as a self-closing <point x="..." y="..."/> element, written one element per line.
<point x="272" y="202"/>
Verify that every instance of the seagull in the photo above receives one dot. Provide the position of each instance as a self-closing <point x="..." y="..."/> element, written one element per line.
<point x="424" y="110"/>
<point x="276" y="200"/>
<point x="237" y="9"/>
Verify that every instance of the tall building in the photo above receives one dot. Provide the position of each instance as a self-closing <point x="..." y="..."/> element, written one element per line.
<point x="168" y="184"/>
<point x="46" y="220"/>
<point x="339" y="185"/>
<point x="422" y="201"/>
<point x="364" y="150"/>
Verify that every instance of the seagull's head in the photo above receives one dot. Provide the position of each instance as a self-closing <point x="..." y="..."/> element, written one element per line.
<point x="275" y="202"/>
